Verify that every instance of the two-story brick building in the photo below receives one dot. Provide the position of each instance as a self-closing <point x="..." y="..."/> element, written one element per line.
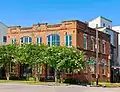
<point x="67" y="33"/>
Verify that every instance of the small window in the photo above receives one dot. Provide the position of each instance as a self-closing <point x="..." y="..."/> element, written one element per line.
<point x="4" y="38"/>
<point x="13" y="40"/>
<point x="104" y="25"/>
<point x="68" y="40"/>
<point x="108" y="26"/>
<point x="92" y="64"/>
<point x="39" y="40"/>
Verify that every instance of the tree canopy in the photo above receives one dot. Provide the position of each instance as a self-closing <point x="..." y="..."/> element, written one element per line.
<point x="58" y="57"/>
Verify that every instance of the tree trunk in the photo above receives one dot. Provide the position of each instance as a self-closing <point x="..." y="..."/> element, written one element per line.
<point x="36" y="73"/>
<point x="8" y="71"/>
<point x="61" y="78"/>
<point x="27" y="76"/>
<point x="55" y="76"/>
<point x="7" y="76"/>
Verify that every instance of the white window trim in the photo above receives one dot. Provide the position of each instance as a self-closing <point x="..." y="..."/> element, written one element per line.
<point x="68" y="39"/>
<point x="38" y="37"/>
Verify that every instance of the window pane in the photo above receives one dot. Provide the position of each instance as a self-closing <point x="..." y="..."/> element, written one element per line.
<point x="40" y="39"/>
<point x="37" y="40"/>
<point x="13" y="41"/>
<point x="49" y="38"/>
<point x="26" y="39"/>
<point x="22" y="40"/>
<point x="30" y="39"/>
<point x="58" y="38"/>
<point x="70" y="37"/>
<point x="4" y="38"/>
<point x="68" y="40"/>
<point x="70" y="43"/>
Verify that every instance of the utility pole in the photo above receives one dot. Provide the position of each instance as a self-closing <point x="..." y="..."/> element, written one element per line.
<point x="97" y="67"/>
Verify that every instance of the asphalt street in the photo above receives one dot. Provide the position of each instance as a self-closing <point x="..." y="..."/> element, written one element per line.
<point x="14" y="87"/>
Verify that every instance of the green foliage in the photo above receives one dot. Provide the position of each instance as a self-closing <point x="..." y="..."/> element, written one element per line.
<point x="58" y="57"/>
<point x="31" y="79"/>
<point x="7" y="54"/>
<point x="74" y="81"/>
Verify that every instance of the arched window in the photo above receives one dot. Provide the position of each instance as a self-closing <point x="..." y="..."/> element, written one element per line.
<point x="39" y="40"/>
<point x="104" y="66"/>
<point x="68" y="40"/>
<point x="85" y="41"/>
<point x="92" y="64"/>
<point x="26" y="40"/>
<point x="53" y="40"/>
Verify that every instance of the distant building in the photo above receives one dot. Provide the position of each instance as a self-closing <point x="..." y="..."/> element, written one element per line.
<point x="3" y="33"/>
<point x="3" y="41"/>
<point x="67" y="33"/>
<point x="101" y="22"/>
<point x="117" y="28"/>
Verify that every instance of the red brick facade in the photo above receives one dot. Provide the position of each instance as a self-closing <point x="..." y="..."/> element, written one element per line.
<point x="75" y="28"/>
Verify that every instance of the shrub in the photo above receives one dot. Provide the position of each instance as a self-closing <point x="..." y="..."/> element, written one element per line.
<point x="13" y="78"/>
<point x="31" y="79"/>
<point x="74" y="81"/>
<point x="71" y="81"/>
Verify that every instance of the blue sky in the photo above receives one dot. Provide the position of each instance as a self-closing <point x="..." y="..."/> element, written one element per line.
<point x="28" y="12"/>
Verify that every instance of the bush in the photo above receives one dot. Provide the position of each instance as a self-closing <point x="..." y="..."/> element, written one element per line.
<point x="13" y="78"/>
<point x="78" y="82"/>
<point x="71" y="81"/>
<point x="31" y="79"/>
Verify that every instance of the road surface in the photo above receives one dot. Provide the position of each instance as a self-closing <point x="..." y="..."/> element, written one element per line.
<point x="14" y="87"/>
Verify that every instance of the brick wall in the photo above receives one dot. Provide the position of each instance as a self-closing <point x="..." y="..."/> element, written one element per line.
<point x="76" y="28"/>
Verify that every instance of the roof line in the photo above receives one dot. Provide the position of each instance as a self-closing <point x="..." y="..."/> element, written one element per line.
<point x="105" y="18"/>
<point x="3" y="24"/>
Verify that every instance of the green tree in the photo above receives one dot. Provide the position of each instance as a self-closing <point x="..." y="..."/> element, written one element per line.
<point x="7" y="56"/>
<point x="33" y="55"/>
<point x="64" y="58"/>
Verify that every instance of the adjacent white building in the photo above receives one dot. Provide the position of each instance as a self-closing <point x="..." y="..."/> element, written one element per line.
<point x="3" y="40"/>
<point x="3" y="33"/>
<point x="117" y="28"/>
<point x="105" y="25"/>
<point x="100" y="22"/>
